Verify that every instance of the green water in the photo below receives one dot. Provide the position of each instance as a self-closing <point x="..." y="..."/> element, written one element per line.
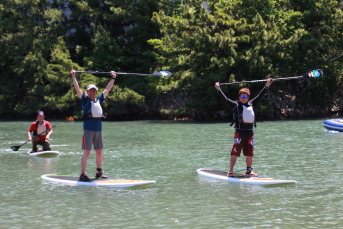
<point x="170" y="153"/>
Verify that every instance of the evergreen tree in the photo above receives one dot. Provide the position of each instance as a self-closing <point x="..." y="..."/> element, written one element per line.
<point x="221" y="42"/>
<point x="28" y="31"/>
<point x="201" y="42"/>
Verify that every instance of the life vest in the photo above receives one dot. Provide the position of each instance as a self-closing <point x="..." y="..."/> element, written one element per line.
<point x="40" y="129"/>
<point x="95" y="110"/>
<point x="243" y="116"/>
<point x="247" y="115"/>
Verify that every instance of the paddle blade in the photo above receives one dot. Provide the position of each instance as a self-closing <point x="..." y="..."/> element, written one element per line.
<point x="162" y="73"/>
<point x="15" y="148"/>
<point x="314" y="74"/>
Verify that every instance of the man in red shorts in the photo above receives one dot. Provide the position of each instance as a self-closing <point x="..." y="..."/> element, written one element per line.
<point x="244" y="119"/>
<point x="41" y="130"/>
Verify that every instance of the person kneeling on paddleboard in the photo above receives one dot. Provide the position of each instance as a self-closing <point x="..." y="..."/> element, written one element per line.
<point x="92" y="125"/>
<point x="244" y="119"/>
<point x="42" y="131"/>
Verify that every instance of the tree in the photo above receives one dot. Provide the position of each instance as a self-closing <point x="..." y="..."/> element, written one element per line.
<point x="28" y="31"/>
<point x="223" y="42"/>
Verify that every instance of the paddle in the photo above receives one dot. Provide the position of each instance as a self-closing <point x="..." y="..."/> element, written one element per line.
<point x="160" y="73"/>
<point x="16" y="148"/>
<point x="310" y="75"/>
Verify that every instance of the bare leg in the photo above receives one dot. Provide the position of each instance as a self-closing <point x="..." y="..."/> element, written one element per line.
<point x="249" y="166"/>
<point x="99" y="172"/>
<point x="249" y="161"/>
<point x="98" y="158"/>
<point x="84" y="160"/>
<point x="233" y="160"/>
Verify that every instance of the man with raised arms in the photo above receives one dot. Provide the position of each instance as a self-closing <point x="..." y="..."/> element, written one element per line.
<point x="92" y="126"/>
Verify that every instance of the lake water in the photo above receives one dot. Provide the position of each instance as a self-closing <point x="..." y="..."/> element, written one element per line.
<point x="170" y="153"/>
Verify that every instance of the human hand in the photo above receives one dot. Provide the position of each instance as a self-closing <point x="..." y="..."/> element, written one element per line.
<point x="113" y="74"/>
<point x="269" y="82"/>
<point x="217" y="86"/>
<point x="72" y="72"/>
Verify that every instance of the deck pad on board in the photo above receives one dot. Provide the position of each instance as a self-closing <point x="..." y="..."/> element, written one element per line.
<point x="241" y="178"/>
<point x="73" y="180"/>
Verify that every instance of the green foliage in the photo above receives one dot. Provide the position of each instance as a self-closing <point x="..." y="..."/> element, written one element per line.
<point x="201" y="42"/>
<point x="124" y="103"/>
<point x="246" y="40"/>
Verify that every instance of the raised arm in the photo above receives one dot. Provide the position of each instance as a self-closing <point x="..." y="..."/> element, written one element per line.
<point x="76" y="84"/>
<point x="223" y="96"/>
<point x="260" y="95"/>
<point x="269" y="82"/>
<point x="110" y="84"/>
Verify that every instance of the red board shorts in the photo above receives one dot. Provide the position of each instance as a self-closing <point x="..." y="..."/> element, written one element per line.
<point x="243" y="140"/>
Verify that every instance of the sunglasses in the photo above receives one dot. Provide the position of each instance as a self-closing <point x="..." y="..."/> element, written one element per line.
<point x="244" y="96"/>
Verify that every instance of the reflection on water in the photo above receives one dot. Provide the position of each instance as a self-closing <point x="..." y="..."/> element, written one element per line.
<point x="170" y="153"/>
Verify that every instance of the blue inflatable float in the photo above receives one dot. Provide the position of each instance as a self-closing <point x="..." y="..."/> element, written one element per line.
<point x="334" y="124"/>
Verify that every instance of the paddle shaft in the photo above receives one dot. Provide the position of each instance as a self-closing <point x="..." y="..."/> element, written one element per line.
<point x="310" y="75"/>
<point x="264" y="80"/>
<point x="118" y="73"/>
<point x="160" y="73"/>
<point x="23" y="143"/>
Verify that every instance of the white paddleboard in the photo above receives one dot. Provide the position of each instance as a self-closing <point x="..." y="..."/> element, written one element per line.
<point x="50" y="153"/>
<point x="74" y="181"/>
<point x="241" y="178"/>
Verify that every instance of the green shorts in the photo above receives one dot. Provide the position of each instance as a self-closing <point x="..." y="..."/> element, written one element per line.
<point x="90" y="138"/>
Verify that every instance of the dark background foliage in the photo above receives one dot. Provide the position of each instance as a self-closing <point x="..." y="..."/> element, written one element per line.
<point x="199" y="42"/>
